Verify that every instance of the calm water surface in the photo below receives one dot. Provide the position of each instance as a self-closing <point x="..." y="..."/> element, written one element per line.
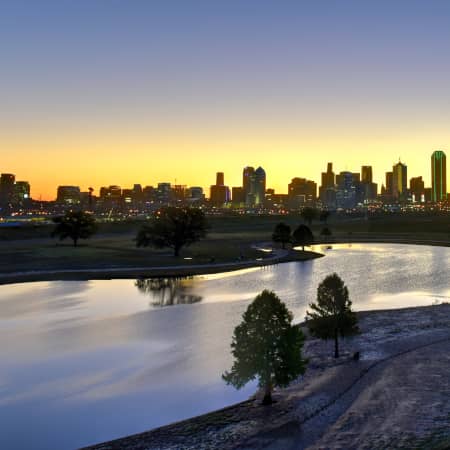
<point x="83" y="362"/>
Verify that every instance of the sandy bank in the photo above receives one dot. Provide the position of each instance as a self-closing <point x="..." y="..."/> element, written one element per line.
<point x="396" y="396"/>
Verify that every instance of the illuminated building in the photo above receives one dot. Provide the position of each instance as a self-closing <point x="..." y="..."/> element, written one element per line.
<point x="246" y="180"/>
<point x="345" y="191"/>
<point x="399" y="181"/>
<point x="7" y="181"/>
<point x="257" y="188"/>
<point x="21" y="193"/>
<point x="417" y="189"/>
<point x="301" y="192"/>
<point x="163" y="193"/>
<point x="327" y="190"/>
<point x="68" y="195"/>
<point x="438" y="176"/>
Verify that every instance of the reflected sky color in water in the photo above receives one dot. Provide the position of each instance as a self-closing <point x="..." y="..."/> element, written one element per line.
<point x="88" y="361"/>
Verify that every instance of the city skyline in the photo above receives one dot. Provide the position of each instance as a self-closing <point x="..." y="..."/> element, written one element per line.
<point x="378" y="178"/>
<point x="96" y="92"/>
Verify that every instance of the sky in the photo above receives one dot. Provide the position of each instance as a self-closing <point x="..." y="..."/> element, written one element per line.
<point x="107" y="92"/>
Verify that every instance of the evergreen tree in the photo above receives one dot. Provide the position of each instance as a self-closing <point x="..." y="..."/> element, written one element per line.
<point x="266" y="346"/>
<point x="302" y="236"/>
<point x="282" y="233"/>
<point x="332" y="315"/>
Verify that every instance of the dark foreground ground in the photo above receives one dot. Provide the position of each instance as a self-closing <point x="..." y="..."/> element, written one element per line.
<point x="396" y="397"/>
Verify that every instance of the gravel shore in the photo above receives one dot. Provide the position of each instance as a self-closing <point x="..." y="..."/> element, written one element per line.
<point x="396" y="396"/>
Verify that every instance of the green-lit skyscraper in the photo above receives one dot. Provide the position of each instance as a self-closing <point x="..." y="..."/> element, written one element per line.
<point x="439" y="176"/>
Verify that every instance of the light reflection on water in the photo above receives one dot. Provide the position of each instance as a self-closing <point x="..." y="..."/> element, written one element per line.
<point x="89" y="361"/>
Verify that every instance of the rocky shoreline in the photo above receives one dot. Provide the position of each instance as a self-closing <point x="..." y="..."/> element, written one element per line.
<point x="396" y="396"/>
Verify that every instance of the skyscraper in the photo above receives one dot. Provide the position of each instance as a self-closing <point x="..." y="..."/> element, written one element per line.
<point x="258" y="186"/>
<point x="7" y="181"/>
<point x="219" y="193"/>
<point x="368" y="187"/>
<point x="246" y="180"/>
<point x="327" y="190"/>
<point x="346" y="191"/>
<point x="399" y="181"/>
<point x="438" y="176"/>
<point x="366" y="174"/>
<point x="417" y="188"/>
<point x="220" y="179"/>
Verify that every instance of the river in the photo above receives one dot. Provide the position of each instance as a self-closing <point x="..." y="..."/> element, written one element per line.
<point x="88" y="361"/>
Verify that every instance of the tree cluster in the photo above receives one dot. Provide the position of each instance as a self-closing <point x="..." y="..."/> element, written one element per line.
<point x="302" y="235"/>
<point x="268" y="347"/>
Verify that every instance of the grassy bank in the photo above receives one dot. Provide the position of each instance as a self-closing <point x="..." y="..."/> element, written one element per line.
<point x="230" y="239"/>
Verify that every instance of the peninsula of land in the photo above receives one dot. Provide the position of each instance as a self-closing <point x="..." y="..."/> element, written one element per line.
<point x="396" y="396"/>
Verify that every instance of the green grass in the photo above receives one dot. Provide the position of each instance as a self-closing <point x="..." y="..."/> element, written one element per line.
<point x="31" y="248"/>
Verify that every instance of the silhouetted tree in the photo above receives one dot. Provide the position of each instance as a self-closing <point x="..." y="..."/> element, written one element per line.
<point x="266" y="346"/>
<point x="325" y="232"/>
<point x="282" y="233"/>
<point x="174" y="228"/>
<point x="324" y="215"/>
<point x="308" y="214"/>
<point x="74" y="225"/>
<point x="332" y="315"/>
<point x="303" y="236"/>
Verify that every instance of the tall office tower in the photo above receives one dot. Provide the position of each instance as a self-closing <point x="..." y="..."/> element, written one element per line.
<point x="220" y="179"/>
<point x="68" y="195"/>
<point x="389" y="183"/>
<point x="327" y="191"/>
<point x="219" y="193"/>
<point x="399" y="181"/>
<point x="366" y="174"/>
<point x="438" y="176"/>
<point x="301" y="192"/>
<point x="345" y="191"/>
<point x="257" y="187"/>
<point x="328" y="178"/>
<point x="369" y="189"/>
<point x="7" y="181"/>
<point x="247" y="175"/>
<point x="417" y="188"/>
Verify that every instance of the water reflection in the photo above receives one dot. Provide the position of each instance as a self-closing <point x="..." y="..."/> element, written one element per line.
<point x="104" y="364"/>
<point x="167" y="291"/>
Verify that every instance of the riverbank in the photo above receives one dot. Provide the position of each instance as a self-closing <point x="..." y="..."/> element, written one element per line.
<point x="396" y="396"/>
<point x="278" y="256"/>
